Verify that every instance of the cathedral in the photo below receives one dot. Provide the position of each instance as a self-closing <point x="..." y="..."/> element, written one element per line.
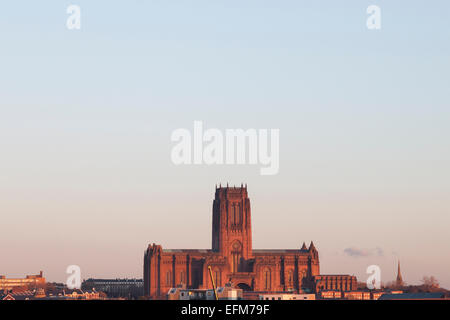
<point x="233" y="259"/>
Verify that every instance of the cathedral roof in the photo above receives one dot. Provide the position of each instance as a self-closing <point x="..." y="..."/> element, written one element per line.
<point x="267" y="251"/>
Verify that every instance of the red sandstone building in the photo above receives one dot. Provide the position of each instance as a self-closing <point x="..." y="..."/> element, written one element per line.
<point x="233" y="259"/>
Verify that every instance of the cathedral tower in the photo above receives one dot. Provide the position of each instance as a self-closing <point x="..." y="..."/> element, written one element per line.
<point x="231" y="225"/>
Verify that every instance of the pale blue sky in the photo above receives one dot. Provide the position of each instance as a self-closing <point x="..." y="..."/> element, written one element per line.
<point x="86" y="118"/>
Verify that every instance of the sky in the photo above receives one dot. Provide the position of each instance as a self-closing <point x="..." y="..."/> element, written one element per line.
<point x="86" y="118"/>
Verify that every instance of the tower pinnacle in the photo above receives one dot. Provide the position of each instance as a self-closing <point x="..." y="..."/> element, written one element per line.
<point x="399" y="280"/>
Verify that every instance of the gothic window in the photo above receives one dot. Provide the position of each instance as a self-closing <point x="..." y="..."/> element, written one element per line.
<point x="304" y="274"/>
<point x="217" y="277"/>
<point x="235" y="214"/>
<point x="290" y="279"/>
<point x="182" y="280"/>
<point x="267" y="279"/>
<point x="236" y="253"/>
<point x="232" y="215"/>
<point x="168" y="278"/>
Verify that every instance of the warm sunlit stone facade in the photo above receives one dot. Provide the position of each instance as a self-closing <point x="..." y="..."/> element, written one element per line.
<point x="231" y="257"/>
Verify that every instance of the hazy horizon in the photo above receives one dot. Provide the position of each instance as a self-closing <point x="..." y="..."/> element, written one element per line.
<point x="86" y="118"/>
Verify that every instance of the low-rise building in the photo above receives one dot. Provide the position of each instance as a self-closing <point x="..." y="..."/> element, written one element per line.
<point x="223" y="293"/>
<point x="377" y="295"/>
<point x="287" y="296"/>
<point x="116" y="288"/>
<point x="30" y="281"/>
<point x="78" y="294"/>
<point x="330" y="294"/>
<point x="357" y="295"/>
<point x="18" y="295"/>
<point x="415" y="296"/>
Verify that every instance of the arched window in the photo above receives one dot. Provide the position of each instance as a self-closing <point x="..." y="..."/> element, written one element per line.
<point x="232" y="215"/>
<point x="182" y="280"/>
<point x="290" y="279"/>
<point x="217" y="277"/>
<point x="267" y="279"/>
<point x="236" y="253"/>
<point x="235" y="215"/>
<point x="168" y="278"/>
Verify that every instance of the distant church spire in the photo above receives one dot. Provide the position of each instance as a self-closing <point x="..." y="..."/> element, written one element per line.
<point x="399" y="280"/>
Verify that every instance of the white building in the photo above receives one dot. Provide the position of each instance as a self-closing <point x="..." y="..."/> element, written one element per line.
<point x="287" y="296"/>
<point x="223" y="293"/>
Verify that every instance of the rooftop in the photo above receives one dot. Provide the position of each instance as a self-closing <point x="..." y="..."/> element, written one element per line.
<point x="413" y="296"/>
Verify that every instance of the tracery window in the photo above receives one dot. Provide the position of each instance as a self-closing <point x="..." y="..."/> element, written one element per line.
<point x="217" y="277"/>
<point x="290" y="279"/>
<point x="182" y="277"/>
<point x="267" y="279"/>
<point x="235" y="214"/>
